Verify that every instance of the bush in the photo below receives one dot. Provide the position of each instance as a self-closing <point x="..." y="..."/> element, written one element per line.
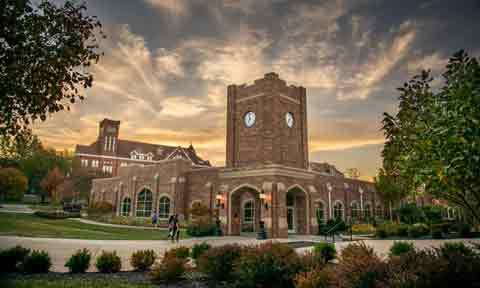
<point x="36" y="262"/>
<point x="108" y="262"/>
<point x="181" y="252"/>
<point x="56" y="214"/>
<point x="358" y="266"/>
<point x="143" y="259"/>
<point x="218" y="262"/>
<point x="11" y="259"/>
<point x="400" y="247"/>
<point x="267" y="265"/>
<point x="326" y="251"/>
<point x="449" y="249"/>
<point x="170" y="269"/>
<point x="363" y="228"/>
<point x="436" y="232"/>
<point x="317" y="278"/>
<point x="79" y="262"/>
<point x="100" y="208"/>
<point x="464" y="230"/>
<point x="381" y="232"/>
<point x="198" y="250"/>
<point x="418" y="230"/>
<point x="201" y="229"/>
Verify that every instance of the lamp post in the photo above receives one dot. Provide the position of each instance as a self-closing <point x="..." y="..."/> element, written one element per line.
<point x="262" y="233"/>
<point x="220" y="205"/>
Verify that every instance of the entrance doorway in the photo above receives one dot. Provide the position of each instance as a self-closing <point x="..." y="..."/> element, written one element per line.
<point x="296" y="202"/>
<point x="244" y="211"/>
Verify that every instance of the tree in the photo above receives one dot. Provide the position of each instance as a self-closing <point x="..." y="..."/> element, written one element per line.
<point x="389" y="189"/>
<point x="45" y="54"/>
<point x="14" y="149"/>
<point x="433" y="140"/>
<point x="37" y="167"/>
<point x="51" y="182"/>
<point x="13" y="184"/>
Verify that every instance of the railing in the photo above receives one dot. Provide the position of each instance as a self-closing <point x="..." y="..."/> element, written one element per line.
<point x="332" y="232"/>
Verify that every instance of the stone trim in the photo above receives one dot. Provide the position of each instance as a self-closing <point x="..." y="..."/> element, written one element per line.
<point x="267" y="171"/>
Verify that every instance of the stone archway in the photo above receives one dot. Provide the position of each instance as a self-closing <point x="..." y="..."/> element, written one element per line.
<point x="245" y="209"/>
<point x="297" y="204"/>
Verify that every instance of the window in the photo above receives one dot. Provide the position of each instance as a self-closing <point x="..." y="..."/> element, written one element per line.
<point x="248" y="212"/>
<point x="338" y="210"/>
<point x="107" y="168"/>
<point x="164" y="208"/>
<point x="144" y="203"/>
<point x="367" y="210"/>
<point x="123" y="164"/>
<point x="84" y="162"/>
<point x="379" y="211"/>
<point x="355" y="210"/>
<point x="95" y="163"/>
<point x="320" y="211"/>
<point x="126" y="207"/>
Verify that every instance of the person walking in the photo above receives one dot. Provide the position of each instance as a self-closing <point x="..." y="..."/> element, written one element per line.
<point x="155" y="219"/>
<point x="173" y="227"/>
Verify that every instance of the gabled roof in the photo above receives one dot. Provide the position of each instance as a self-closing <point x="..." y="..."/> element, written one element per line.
<point x="159" y="152"/>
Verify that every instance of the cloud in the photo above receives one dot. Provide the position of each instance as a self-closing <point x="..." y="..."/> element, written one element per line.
<point x="433" y="62"/>
<point x="175" y="7"/>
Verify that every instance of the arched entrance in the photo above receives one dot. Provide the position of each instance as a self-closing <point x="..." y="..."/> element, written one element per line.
<point x="297" y="210"/>
<point x="244" y="210"/>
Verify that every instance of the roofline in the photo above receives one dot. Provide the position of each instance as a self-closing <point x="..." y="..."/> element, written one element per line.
<point x="130" y="159"/>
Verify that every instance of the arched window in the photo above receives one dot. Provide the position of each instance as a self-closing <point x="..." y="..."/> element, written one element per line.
<point x="379" y="211"/>
<point x="144" y="203"/>
<point x="126" y="207"/>
<point x="338" y="210"/>
<point x="355" y="208"/>
<point x="164" y="208"/>
<point x="320" y="211"/>
<point x="248" y="216"/>
<point x="367" y="207"/>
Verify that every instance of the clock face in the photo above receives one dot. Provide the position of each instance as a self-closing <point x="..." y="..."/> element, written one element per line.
<point x="289" y="119"/>
<point x="249" y="119"/>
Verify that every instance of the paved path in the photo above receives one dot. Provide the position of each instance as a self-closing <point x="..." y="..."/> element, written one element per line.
<point x="61" y="249"/>
<point x="87" y="221"/>
<point x="16" y="208"/>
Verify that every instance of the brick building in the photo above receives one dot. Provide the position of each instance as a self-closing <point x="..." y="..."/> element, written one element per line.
<point x="108" y="153"/>
<point x="267" y="176"/>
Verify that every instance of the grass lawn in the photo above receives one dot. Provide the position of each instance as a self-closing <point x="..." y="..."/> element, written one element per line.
<point x="28" y="225"/>
<point x="77" y="283"/>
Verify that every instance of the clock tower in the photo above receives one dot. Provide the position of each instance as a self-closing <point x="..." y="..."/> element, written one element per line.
<point x="267" y="124"/>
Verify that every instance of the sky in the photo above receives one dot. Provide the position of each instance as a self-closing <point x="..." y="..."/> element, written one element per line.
<point x="167" y="64"/>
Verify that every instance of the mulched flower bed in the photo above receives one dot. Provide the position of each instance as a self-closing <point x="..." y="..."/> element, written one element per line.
<point x="132" y="277"/>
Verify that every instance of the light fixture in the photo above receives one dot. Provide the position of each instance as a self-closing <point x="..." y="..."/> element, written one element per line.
<point x="220" y="201"/>
<point x="263" y="199"/>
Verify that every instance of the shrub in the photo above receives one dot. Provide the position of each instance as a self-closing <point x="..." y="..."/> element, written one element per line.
<point x="143" y="259"/>
<point x="108" y="262"/>
<point x="218" y="262"/>
<point x="358" y="266"/>
<point x="326" y="251"/>
<point x="436" y="232"/>
<point x="267" y="265"/>
<point x="317" y="278"/>
<point x="201" y="229"/>
<point x="400" y="247"/>
<point x="36" y="262"/>
<point x="363" y="228"/>
<point x="464" y="230"/>
<point x="449" y="249"/>
<point x="181" y="252"/>
<point x="170" y="269"/>
<point x="198" y="250"/>
<point x="418" y="230"/>
<point x="381" y="232"/>
<point x="10" y="259"/>
<point x="101" y="207"/>
<point x="56" y="214"/>
<point x="79" y="262"/>
<point x="402" y="230"/>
